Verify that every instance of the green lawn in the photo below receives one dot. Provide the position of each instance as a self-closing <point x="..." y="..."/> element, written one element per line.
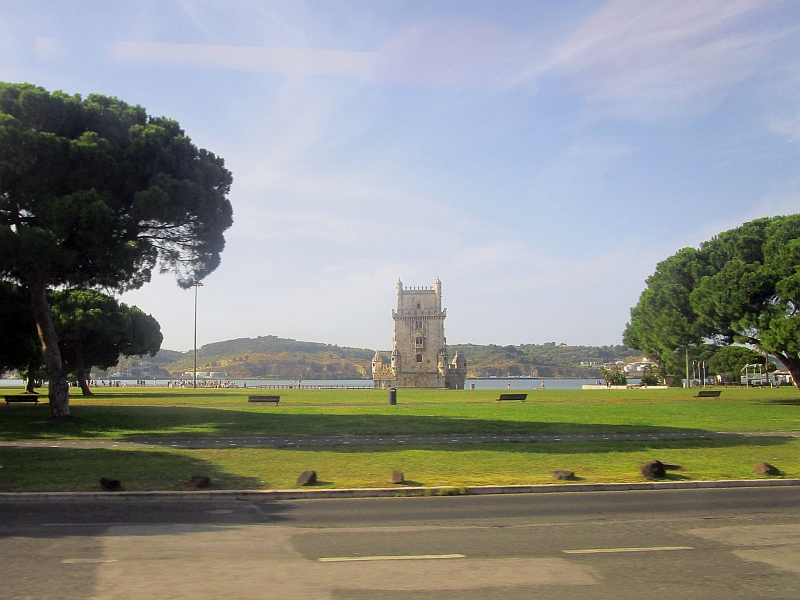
<point x="195" y="413"/>
<point x="130" y="413"/>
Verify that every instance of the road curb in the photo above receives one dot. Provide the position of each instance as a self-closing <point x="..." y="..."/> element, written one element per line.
<point x="271" y="495"/>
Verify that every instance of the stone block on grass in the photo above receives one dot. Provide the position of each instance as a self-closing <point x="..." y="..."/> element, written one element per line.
<point x="563" y="475"/>
<point x="110" y="485"/>
<point x="307" y="478"/>
<point x="653" y="469"/>
<point x="764" y="468"/>
<point x="200" y="482"/>
<point x="397" y="476"/>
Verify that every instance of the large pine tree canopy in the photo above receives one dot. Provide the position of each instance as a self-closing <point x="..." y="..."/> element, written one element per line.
<point x="742" y="286"/>
<point x="95" y="193"/>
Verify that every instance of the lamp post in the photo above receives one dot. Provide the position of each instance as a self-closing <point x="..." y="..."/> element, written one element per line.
<point x="687" y="367"/>
<point x="196" y="285"/>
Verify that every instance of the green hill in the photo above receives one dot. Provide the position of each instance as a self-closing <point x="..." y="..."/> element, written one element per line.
<point x="540" y="360"/>
<point x="278" y="358"/>
<point x="271" y="357"/>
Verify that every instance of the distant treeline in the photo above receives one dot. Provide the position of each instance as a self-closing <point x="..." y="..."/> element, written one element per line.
<point x="281" y="358"/>
<point x="540" y="360"/>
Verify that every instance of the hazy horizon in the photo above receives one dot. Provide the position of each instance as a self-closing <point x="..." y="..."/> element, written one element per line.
<point x="387" y="348"/>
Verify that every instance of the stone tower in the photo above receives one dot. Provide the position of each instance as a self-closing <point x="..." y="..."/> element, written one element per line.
<point x="419" y="349"/>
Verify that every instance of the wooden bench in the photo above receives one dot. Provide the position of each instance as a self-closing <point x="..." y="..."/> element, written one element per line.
<point x="274" y="399"/>
<point x="521" y="397"/>
<point x="23" y="398"/>
<point x="708" y="394"/>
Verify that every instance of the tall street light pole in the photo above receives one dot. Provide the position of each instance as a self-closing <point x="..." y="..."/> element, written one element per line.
<point x="196" y="285"/>
<point x="688" y="383"/>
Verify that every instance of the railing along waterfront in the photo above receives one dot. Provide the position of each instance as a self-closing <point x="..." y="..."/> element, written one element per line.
<point x="284" y="386"/>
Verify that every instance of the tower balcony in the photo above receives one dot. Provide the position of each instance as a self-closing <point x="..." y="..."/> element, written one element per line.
<point x="405" y="313"/>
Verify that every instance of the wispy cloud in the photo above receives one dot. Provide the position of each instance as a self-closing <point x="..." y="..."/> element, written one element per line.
<point x="787" y="125"/>
<point x="441" y="52"/>
<point x="783" y="114"/>
<point x="645" y="59"/>
<point x="293" y="61"/>
<point x="457" y="52"/>
<point x="641" y="59"/>
<point x="52" y="49"/>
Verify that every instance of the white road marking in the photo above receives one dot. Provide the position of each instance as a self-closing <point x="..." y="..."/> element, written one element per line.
<point x="614" y="550"/>
<point x="401" y="557"/>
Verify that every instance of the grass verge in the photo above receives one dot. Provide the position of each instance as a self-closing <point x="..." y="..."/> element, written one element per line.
<point x="454" y="465"/>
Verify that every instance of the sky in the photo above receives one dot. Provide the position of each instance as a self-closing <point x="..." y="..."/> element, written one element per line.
<point x="540" y="158"/>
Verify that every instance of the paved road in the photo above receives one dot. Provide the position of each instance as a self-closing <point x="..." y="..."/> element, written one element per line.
<point x="731" y="543"/>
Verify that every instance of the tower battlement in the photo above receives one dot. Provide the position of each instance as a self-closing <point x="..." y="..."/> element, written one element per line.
<point x="419" y="351"/>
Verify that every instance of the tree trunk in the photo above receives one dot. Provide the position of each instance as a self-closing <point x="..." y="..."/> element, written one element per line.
<point x="30" y="385"/>
<point x="80" y="374"/>
<point x="792" y="365"/>
<point x="58" y="390"/>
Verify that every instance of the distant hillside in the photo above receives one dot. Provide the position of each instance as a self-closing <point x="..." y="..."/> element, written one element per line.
<point x="144" y="367"/>
<point x="539" y="360"/>
<point x="272" y="357"/>
<point x="278" y="358"/>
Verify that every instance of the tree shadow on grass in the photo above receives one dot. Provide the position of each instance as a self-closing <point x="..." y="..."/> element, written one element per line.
<point x="176" y="396"/>
<point x="71" y="470"/>
<point x="320" y="484"/>
<point x="782" y="401"/>
<point x="169" y="422"/>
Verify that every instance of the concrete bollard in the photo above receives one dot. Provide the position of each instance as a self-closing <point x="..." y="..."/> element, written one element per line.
<point x="392" y="396"/>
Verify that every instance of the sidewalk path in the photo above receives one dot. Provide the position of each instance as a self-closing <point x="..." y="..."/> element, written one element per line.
<point x="387" y="440"/>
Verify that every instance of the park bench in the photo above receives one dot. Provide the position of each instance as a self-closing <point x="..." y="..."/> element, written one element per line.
<point x="23" y="398"/>
<point x="521" y="397"/>
<point x="274" y="399"/>
<point x="708" y="394"/>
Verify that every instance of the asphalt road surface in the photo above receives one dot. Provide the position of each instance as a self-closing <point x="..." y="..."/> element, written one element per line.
<point x="678" y="544"/>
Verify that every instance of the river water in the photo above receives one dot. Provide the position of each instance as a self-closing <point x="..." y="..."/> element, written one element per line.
<point x="480" y="384"/>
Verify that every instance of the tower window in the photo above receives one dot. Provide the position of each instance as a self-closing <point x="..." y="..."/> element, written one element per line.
<point x="418" y="342"/>
<point x="419" y="324"/>
<point x="419" y="306"/>
<point x="419" y="357"/>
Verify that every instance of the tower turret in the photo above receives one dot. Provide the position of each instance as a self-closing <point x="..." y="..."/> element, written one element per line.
<point x="377" y="361"/>
<point x="437" y="289"/>
<point x="395" y="360"/>
<point x="459" y="362"/>
<point x="442" y="361"/>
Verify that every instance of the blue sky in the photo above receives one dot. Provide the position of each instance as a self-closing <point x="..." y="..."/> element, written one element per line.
<point x="539" y="157"/>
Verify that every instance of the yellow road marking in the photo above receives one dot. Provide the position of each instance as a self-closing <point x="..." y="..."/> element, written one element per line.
<point x="406" y="557"/>
<point x="78" y="561"/>
<point x="613" y="550"/>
